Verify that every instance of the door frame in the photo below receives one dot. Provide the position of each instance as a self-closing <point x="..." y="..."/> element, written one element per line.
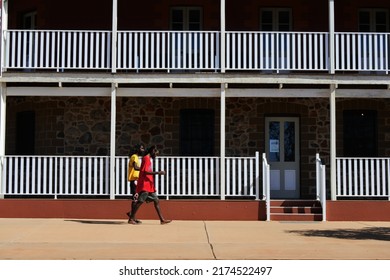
<point x="280" y="169"/>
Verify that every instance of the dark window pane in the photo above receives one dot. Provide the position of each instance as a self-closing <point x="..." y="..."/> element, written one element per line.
<point x="274" y="141"/>
<point x="289" y="141"/>
<point x="25" y="133"/>
<point x="197" y="132"/>
<point x="360" y="133"/>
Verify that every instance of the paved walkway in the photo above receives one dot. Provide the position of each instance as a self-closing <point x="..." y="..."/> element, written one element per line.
<point x="47" y="239"/>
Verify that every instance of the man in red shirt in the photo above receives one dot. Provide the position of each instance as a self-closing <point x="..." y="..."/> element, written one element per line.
<point x="145" y="187"/>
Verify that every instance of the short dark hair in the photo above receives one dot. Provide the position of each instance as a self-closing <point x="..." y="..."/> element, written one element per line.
<point x="135" y="149"/>
<point x="151" y="149"/>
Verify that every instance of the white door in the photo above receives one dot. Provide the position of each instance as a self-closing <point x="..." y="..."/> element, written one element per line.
<point x="282" y="149"/>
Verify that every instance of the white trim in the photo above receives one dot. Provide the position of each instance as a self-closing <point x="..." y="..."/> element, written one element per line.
<point x="223" y="36"/>
<point x="331" y="37"/>
<point x="112" y="141"/>
<point x="198" y="78"/>
<point x="332" y="104"/>
<point x="3" y="107"/>
<point x="114" y="35"/>
<point x="56" y="91"/>
<point x="223" y="139"/>
<point x="195" y="92"/>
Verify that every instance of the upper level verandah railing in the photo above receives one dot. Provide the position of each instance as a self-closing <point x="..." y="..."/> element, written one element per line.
<point x="195" y="50"/>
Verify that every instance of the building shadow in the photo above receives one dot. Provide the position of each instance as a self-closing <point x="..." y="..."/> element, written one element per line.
<point x="368" y="233"/>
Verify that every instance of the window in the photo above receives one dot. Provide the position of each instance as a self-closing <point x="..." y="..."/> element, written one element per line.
<point x="373" y="20"/>
<point x="186" y="18"/>
<point x="275" y="19"/>
<point x="196" y="132"/>
<point x="30" y="20"/>
<point x="25" y="133"/>
<point x="360" y="133"/>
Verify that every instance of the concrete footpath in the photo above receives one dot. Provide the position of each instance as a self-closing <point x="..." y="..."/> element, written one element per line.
<point x="59" y="239"/>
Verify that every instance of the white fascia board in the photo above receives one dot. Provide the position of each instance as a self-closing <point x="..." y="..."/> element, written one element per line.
<point x="168" y="92"/>
<point x="362" y="93"/>
<point x="275" y="93"/>
<point x="58" y="91"/>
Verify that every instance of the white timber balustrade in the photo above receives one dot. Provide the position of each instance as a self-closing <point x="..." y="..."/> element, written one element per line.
<point x="195" y="50"/>
<point x="69" y="176"/>
<point x="363" y="177"/>
<point x="55" y="176"/>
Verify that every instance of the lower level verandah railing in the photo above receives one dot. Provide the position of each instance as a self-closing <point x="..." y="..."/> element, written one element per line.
<point x="363" y="178"/>
<point x="195" y="50"/>
<point x="195" y="177"/>
<point x="87" y="176"/>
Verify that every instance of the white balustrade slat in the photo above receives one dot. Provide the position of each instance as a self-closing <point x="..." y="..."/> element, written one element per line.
<point x="45" y="175"/>
<point x="181" y="175"/>
<point x="383" y="169"/>
<point x="251" y="181"/>
<point x="101" y="181"/>
<point x="207" y="178"/>
<point x="11" y="175"/>
<point x="234" y="185"/>
<point x="378" y="179"/>
<point x="141" y="57"/>
<point x="83" y="178"/>
<point x="191" y="175"/>
<point x="361" y="177"/>
<point x="195" y="174"/>
<point x="367" y="172"/>
<point x="23" y="58"/>
<point x="294" y="55"/>
<point x="26" y="168"/>
<point x="69" y="179"/>
<point x="196" y="51"/>
<point x="207" y="51"/>
<point x="388" y="178"/>
<point x="22" y="175"/>
<point x="177" y="163"/>
<point x="61" y="175"/>
<point x="51" y="171"/>
<point x="372" y="176"/>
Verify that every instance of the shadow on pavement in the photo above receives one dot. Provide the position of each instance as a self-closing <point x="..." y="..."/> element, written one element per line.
<point x="373" y="233"/>
<point x="96" y="222"/>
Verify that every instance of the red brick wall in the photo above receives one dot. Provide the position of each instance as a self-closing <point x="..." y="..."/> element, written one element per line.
<point x="308" y="15"/>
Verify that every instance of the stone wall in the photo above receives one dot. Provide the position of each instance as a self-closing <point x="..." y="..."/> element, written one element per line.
<point x="81" y="125"/>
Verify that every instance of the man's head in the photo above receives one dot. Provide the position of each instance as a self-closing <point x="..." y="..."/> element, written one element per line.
<point x="138" y="149"/>
<point x="152" y="151"/>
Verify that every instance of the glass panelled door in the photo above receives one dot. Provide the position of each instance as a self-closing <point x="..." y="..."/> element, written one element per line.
<point x="282" y="149"/>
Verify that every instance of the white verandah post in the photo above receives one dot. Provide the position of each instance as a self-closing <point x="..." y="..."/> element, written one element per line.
<point x="331" y="38"/>
<point x="114" y="35"/>
<point x="332" y="101"/>
<point x="3" y="99"/>
<point x="223" y="37"/>
<point x="112" y="140"/>
<point x="222" y="140"/>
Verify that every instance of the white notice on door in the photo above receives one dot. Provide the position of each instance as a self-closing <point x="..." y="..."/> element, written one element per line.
<point x="274" y="146"/>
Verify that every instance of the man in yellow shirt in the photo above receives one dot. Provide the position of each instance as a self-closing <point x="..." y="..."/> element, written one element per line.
<point x="133" y="173"/>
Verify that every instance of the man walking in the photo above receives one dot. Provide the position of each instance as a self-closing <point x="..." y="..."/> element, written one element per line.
<point x="133" y="173"/>
<point x="145" y="187"/>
